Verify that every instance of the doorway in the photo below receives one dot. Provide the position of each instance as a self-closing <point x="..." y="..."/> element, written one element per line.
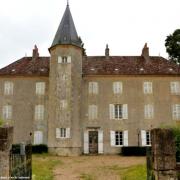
<point x="93" y="142"/>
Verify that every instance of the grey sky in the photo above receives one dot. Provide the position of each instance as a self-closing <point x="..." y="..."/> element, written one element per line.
<point x="124" y="24"/>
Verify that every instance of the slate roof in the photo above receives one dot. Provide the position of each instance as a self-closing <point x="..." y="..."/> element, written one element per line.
<point x="66" y="33"/>
<point x="97" y="65"/>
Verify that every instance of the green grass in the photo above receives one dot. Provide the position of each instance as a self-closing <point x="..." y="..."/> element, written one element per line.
<point x="87" y="177"/>
<point x="42" y="166"/>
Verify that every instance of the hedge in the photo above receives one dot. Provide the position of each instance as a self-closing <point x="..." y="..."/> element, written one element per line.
<point x="133" y="151"/>
<point x="38" y="149"/>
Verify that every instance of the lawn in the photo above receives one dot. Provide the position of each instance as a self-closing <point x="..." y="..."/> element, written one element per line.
<point x="47" y="167"/>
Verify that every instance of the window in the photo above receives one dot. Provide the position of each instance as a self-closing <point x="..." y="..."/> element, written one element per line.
<point x="119" y="138"/>
<point x="40" y="88"/>
<point x="63" y="104"/>
<point x="118" y="111"/>
<point x="93" y="88"/>
<point x="93" y="112"/>
<point x="62" y="133"/>
<point x="117" y="87"/>
<point x="176" y="111"/>
<point x="147" y="87"/>
<point x="7" y="112"/>
<point x="175" y="87"/>
<point x="8" y="88"/>
<point x="64" y="59"/>
<point x="38" y="137"/>
<point x="148" y="111"/>
<point x="146" y="138"/>
<point x="39" y="112"/>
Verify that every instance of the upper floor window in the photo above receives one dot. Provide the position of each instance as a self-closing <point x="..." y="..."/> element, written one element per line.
<point x="93" y="88"/>
<point x="62" y="132"/>
<point x="64" y="59"/>
<point x="8" y="88"/>
<point x="175" y="87"/>
<point x="145" y="138"/>
<point x="148" y="111"/>
<point x="93" y="112"/>
<point x="7" y="112"/>
<point x="39" y="112"/>
<point x="117" y="87"/>
<point x="40" y="88"/>
<point x="176" y="111"/>
<point x="63" y="104"/>
<point x="118" y="111"/>
<point x="119" y="138"/>
<point x="147" y="88"/>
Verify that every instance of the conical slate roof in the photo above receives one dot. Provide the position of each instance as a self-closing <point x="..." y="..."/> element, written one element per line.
<point x="66" y="33"/>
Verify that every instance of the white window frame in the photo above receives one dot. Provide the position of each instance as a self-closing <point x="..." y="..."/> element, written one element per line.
<point x="93" y="112"/>
<point x="124" y="140"/>
<point x="176" y="111"/>
<point x="8" y="88"/>
<point x="148" y="87"/>
<point x="7" y="112"/>
<point x="62" y="133"/>
<point x="145" y="134"/>
<point x="148" y="111"/>
<point x="124" y="111"/>
<point x="117" y="87"/>
<point x="175" y="87"/>
<point x="64" y="59"/>
<point x="40" y="88"/>
<point x="93" y="88"/>
<point x="39" y="112"/>
<point x="63" y="104"/>
<point x="38" y="137"/>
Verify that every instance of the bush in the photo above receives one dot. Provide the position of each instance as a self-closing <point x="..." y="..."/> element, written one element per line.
<point x="134" y="151"/>
<point x="38" y="149"/>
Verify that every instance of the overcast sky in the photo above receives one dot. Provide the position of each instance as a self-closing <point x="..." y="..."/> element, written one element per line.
<point x="124" y="24"/>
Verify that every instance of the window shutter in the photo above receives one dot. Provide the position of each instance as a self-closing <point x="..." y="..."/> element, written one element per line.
<point x="86" y="142"/>
<point x="90" y="87"/>
<point x="69" y="59"/>
<point x="125" y="111"/>
<point x="112" y="136"/>
<point x="57" y="133"/>
<point x="125" y="142"/>
<point x="59" y="59"/>
<point x="100" y="142"/>
<point x="95" y="88"/>
<point x="68" y="133"/>
<point x="38" y="137"/>
<point x="117" y="87"/>
<point x="111" y="111"/>
<point x="143" y="137"/>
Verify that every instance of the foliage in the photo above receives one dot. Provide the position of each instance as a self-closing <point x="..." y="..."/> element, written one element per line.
<point x="40" y="148"/>
<point x="172" y="44"/>
<point x="134" y="151"/>
<point x="42" y="166"/>
<point x="85" y="176"/>
<point x="1" y="122"/>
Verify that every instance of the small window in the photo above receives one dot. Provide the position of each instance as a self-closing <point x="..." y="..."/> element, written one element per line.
<point x="8" y="88"/>
<point x="93" y="112"/>
<point x="176" y="111"/>
<point x="148" y="111"/>
<point x="39" y="112"/>
<point x="117" y="87"/>
<point x="175" y="87"/>
<point x="64" y="59"/>
<point x="63" y="104"/>
<point x="93" y="88"/>
<point x="118" y="138"/>
<point x="7" y="112"/>
<point x="62" y="132"/>
<point x="147" y="88"/>
<point x="40" y="88"/>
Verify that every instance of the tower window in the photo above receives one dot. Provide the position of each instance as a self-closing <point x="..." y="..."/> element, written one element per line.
<point x="64" y="59"/>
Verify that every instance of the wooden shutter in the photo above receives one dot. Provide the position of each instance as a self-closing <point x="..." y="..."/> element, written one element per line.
<point x="111" y="111"/>
<point x="68" y="133"/>
<point x="69" y="59"/>
<point x="112" y="137"/>
<point x="57" y="133"/>
<point x="100" y="142"/>
<point x="125" y="138"/>
<point x="86" y="142"/>
<point x="59" y="59"/>
<point x="143" y="137"/>
<point x="125" y="111"/>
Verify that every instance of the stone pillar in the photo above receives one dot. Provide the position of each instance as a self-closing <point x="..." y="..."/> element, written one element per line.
<point x="6" y="139"/>
<point x="163" y="154"/>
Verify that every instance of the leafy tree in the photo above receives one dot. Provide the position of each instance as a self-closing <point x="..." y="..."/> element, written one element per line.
<point x="1" y="122"/>
<point x="172" y="44"/>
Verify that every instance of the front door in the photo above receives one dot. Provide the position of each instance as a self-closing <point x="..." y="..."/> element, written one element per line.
<point x="93" y="142"/>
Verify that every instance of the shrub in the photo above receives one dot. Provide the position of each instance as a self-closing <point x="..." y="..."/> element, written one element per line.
<point x="134" y="151"/>
<point x="40" y="148"/>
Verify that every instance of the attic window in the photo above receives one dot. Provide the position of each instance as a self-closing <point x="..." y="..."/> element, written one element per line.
<point x="141" y="69"/>
<point x="13" y="70"/>
<point x="170" y="69"/>
<point x="116" y="69"/>
<point x="42" y="69"/>
<point x="92" y="69"/>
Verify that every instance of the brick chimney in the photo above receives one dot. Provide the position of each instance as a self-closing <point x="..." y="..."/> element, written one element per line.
<point x="145" y="52"/>
<point x="107" y="51"/>
<point x="35" y="53"/>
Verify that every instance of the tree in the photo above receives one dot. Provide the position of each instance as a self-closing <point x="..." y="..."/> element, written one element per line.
<point x="172" y="44"/>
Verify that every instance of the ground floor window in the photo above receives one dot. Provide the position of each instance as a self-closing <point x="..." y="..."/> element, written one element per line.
<point x="146" y="137"/>
<point x="118" y="138"/>
<point x="38" y="137"/>
<point x="62" y="132"/>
